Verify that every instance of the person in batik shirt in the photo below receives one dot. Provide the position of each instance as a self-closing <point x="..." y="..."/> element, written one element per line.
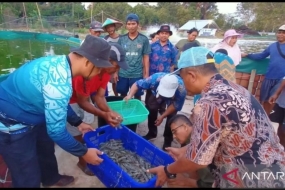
<point x="232" y="133"/>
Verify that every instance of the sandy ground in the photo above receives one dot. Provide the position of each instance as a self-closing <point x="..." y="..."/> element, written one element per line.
<point x="67" y="162"/>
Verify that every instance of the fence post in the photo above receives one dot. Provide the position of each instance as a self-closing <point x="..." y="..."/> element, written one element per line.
<point x="251" y="80"/>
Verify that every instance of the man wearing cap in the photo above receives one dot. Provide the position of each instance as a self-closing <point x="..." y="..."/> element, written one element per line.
<point x="275" y="71"/>
<point x="95" y="28"/>
<point x="163" y="53"/>
<point x="111" y="26"/>
<point x="33" y="110"/>
<point x="164" y="88"/>
<point x="138" y="50"/>
<point x="95" y="87"/>
<point x="231" y="131"/>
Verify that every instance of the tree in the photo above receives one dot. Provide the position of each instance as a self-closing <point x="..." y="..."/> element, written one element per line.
<point x="205" y="7"/>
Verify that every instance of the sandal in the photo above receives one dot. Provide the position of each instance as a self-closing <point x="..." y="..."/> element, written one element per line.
<point x="85" y="169"/>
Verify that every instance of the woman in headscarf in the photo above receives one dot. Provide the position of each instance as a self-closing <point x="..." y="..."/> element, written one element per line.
<point x="229" y="43"/>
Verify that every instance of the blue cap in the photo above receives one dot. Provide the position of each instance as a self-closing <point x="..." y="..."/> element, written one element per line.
<point x="132" y="17"/>
<point x="194" y="56"/>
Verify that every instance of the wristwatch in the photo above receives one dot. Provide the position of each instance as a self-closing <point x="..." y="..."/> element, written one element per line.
<point x="169" y="175"/>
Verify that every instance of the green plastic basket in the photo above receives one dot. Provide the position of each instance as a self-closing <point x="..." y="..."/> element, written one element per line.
<point x="133" y="111"/>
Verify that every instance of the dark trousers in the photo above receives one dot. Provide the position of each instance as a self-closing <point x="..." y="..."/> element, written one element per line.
<point x="30" y="157"/>
<point x="152" y="117"/>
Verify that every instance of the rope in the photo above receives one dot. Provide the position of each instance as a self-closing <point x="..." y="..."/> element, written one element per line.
<point x="5" y="179"/>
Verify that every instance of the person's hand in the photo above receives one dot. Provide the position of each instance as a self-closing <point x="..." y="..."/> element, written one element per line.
<point x="273" y="99"/>
<point x="158" y="121"/>
<point x="179" y="181"/>
<point x="244" y="55"/>
<point x="175" y="153"/>
<point x="112" y="118"/>
<point x="92" y="157"/>
<point x="161" y="177"/>
<point x="116" y="77"/>
<point x="84" y="128"/>
<point x="127" y="98"/>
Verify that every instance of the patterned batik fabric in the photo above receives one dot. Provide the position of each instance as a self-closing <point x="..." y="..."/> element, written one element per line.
<point x="233" y="134"/>
<point x="162" y="58"/>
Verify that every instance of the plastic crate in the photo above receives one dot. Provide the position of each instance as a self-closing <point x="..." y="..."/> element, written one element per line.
<point x="133" y="111"/>
<point x="108" y="172"/>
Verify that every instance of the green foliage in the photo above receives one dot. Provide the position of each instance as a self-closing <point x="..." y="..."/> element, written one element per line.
<point x="262" y="16"/>
<point x="73" y="15"/>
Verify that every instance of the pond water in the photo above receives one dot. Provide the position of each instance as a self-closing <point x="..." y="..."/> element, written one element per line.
<point x="15" y="52"/>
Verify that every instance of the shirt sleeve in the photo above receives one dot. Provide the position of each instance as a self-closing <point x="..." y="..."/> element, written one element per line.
<point x="178" y="45"/>
<point x="179" y="98"/>
<point x="146" y="47"/>
<point x="145" y="84"/>
<point x="80" y="87"/>
<point x="56" y="91"/>
<point x="206" y="133"/>
<point x="174" y="56"/>
<point x="120" y="40"/>
<point x="105" y="79"/>
<point x="259" y="56"/>
<point x="72" y="118"/>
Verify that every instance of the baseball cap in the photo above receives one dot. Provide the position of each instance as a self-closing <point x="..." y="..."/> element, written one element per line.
<point x="118" y="54"/>
<point x="132" y="17"/>
<point x="96" y="50"/>
<point x="167" y="86"/>
<point x="96" y="26"/>
<point x="282" y="27"/>
<point x="190" y="45"/>
<point x="194" y="56"/>
<point x="223" y="51"/>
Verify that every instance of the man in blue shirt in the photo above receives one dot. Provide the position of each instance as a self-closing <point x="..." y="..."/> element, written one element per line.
<point x="278" y="113"/>
<point x="164" y="88"/>
<point x="276" y="69"/>
<point x="163" y="53"/>
<point x="33" y="110"/>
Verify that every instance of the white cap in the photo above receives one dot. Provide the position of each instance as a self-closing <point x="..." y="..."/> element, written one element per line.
<point x="282" y="27"/>
<point x="167" y="86"/>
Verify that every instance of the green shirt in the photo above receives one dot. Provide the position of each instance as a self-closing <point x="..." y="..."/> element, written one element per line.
<point x="180" y="44"/>
<point x="135" y="50"/>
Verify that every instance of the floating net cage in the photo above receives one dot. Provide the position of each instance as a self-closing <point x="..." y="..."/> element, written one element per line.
<point x="250" y="75"/>
<point x="19" y="47"/>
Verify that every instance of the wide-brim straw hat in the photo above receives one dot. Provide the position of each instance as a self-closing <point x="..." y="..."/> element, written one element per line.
<point x="109" y="21"/>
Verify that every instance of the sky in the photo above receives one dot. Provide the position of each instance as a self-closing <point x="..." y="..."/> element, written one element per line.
<point x="224" y="8"/>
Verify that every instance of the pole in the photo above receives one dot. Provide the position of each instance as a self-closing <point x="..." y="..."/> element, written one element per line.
<point x="40" y="15"/>
<point x="72" y="10"/>
<point x="91" y="11"/>
<point x="25" y="14"/>
<point x="102" y="16"/>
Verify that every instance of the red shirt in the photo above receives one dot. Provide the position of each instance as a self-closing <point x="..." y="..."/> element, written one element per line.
<point x="92" y="85"/>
